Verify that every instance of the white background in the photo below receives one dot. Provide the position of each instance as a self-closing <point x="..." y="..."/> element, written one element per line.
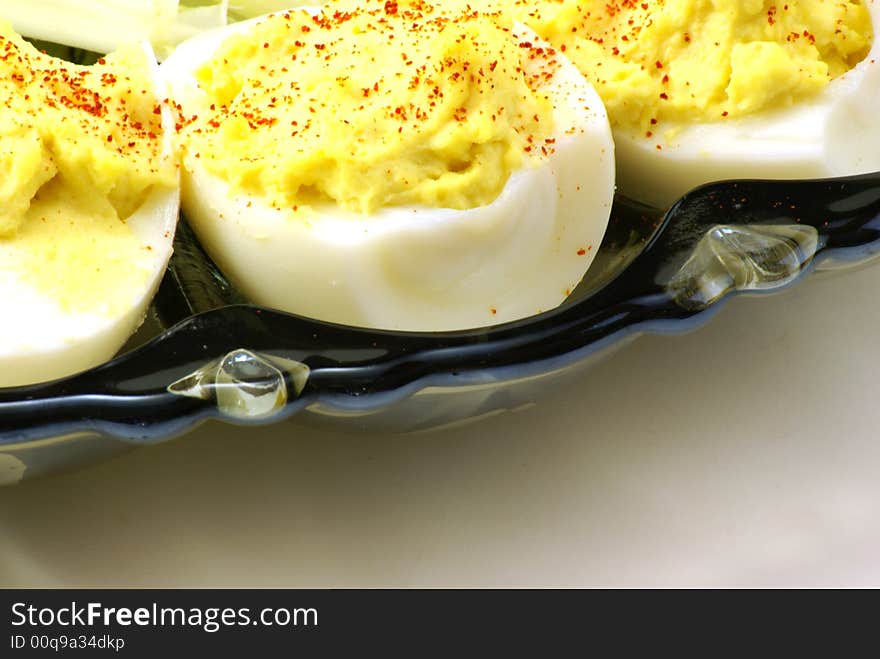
<point x="743" y="454"/>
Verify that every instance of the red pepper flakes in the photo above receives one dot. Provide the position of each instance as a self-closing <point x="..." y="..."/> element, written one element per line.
<point x="426" y="78"/>
<point x="100" y="104"/>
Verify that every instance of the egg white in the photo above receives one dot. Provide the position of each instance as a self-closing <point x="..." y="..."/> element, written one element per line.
<point x="835" y="133"/>
<point x="415" y="268"/>
<point x="42" y="340"/>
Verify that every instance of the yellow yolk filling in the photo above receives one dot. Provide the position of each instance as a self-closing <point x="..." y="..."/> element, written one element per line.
<point x="95" y="128"/>
<point x="371" y="104"/>
<point x="80" y="150"/>
<point x="688" y="61"/>
<point x="75" y="251"/>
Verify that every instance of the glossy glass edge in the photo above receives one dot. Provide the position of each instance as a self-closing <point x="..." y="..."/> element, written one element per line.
<point x="772" y="225"/>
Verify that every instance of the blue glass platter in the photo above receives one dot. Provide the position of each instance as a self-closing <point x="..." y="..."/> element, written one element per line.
<point x="204" y="352"/>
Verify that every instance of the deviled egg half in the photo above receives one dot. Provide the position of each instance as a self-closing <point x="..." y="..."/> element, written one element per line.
<point x="89" y="200"/>
<point x="392" y="164"/>
<point x="699" y="91"/>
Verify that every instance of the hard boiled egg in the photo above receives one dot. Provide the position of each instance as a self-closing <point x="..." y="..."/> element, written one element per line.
<point x="836" y="132"/>
<point x="412" y="266"/>
<point x="76" y="273"/>
<point x="108" y="24"/>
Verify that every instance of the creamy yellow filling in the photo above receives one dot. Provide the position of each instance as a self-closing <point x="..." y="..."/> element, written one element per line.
<point x="74" y="250"/>
<point x="688" y="61"/>
<point x="97" y="128"/>
<point x="371" y="104"/>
